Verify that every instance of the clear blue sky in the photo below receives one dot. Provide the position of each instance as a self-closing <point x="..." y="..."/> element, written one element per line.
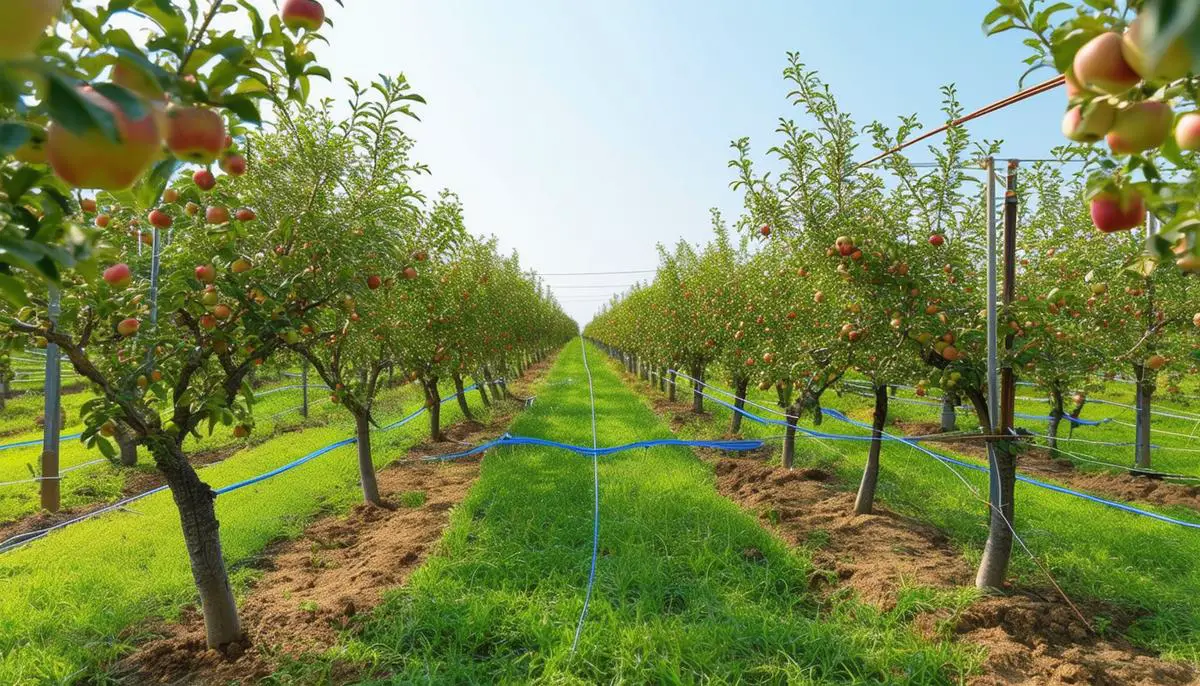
<point x="582" y="134"/>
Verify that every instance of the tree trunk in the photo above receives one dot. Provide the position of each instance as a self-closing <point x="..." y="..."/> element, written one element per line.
<point x="366" y="466"/>
<point x="433" y="403"/>
<point x="127" y="445"/>
<point x="949" y="413"/>
<point x="865" y="502"/>
<point x="3" y="393"/>
<point x="997" y="552"/>
<point x="789" y="438"/>
<point x="671" y="385"/>
<point x="981" y="410"/>
<point x="697" y="389"/>
<point x="1145" y="391"/>
<point x="480" y="384"/>
<point x="462" y="398"/>
<point x="201" y="533"/>
<point x="739" y="386"/>
<point x="1056" y="416"/>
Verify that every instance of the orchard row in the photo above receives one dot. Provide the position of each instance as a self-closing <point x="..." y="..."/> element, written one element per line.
<point x="168" y="244"/>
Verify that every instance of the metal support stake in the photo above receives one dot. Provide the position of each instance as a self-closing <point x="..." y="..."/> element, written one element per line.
<point x="51" y="426"/>
<point x="304" y="383"/>
<point x="1008" y="395"/>
<point x="993" y="365"/>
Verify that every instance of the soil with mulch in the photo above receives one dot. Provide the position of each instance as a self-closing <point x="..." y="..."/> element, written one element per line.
<point x="314" y="586"/>
<point x="1029" y="638"/>
<point x="1037" y="462"/>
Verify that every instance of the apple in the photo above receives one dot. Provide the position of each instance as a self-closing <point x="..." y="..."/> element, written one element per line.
<point x="420" y="255"/>
<point x="765" y="231"/>
<point x="128" y="327"/>
<point x="308" y="15"/>
<point x="374" y="282"/>
<point x="170" y="196"/>
<point x="818" y="297"/>
<point x="1187" y="131"/>
<point x="216" y="215"/>
<point x="209" y="298"/>
<point x="937" y="240"/>
<point x="240" y="266"/>
<point x="208" y="322"/>
<point x="222" y="312"/>
<point x="950" y="353"/>
<point x="1117" y="211"/>
<point x="91" y="160"/>
<point x="118" y="275"/>
<point x="1100" y="65"/>
<point x="245" y="215"/>
<point x="204" y="180"/>
<point x="192" y="209"/>
<point x="205" y="273"/>
<point x="1173" y="65"/>
<point x="228" y="141"/>
<point x="409" y="273"/>
<point x="1156" y="362"/>
<point x="1099" y="288"/>
<point x="1140" y="126"/>
<point x="195" y="134"/>
<point x="159" y="219"/>
<point x="1089" y="127"/>
<point x="1196" y="320"/>
<point x="129" y="76"/>
<point x="87" y="205"/>
<point x="22" y="25"/>
<point x="241" y="431"/>
<point x="234" y="165"/>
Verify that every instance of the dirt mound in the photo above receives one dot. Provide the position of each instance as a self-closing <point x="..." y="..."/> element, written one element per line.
<point x="1030" y="638"/>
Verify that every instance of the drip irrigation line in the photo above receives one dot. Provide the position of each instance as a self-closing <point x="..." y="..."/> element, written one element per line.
<point x="1083" y="457"/>
<point x="587" y="599"/>
<point x="29" y="536"/>
<point x="1186" y="417"/>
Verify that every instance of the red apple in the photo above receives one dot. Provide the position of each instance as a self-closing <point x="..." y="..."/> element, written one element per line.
<point x="128" y="327"/>
<point x="87" y="205"/>
<point x="937" y="240"/>
<point x="208" y="322"/>
<point x="204" y="180"/>
<point x="216" y="215"/>
<point x="1089" y="127"/>
<point x="374" y="282"/>
<point x="118" y="275"/>
<point x="22" y="25"/>
<point x="205" y="273"/>
<point x="1173" y="65"/>
<point x="222" y="312"/>
<point x="103" y="220"/>
<point x="91" y="160"/>
<point x="170" y="196"/>
<point x="765" y="231"/>
<point x="1156" y="362"/>
<point x="1187" y="131"/>
<point x="420" y="255"/>
<point x="234" y="165"/>
<point x="308" y="15"/>
<point x="1117" y="211"/>
<point x="409" y="273"/>
<point x="195" y="134"/>
<point x="245" y="215"/>
<point x="1140" y="126"/>
<point x="1100" y="65"/>
<point x="159" y="219"/>
<point x="241" y="431"/>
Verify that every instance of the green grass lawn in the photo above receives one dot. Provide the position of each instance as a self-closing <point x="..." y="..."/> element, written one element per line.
<point x="677" y="600"/>
<point x="74" y="600"/>
<point x="1095" y="552"/>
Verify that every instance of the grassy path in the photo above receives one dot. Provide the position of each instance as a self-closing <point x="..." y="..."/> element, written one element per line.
<point x="1145" y="568"/>
<point x="68" y="602"/>
<point x="689" y="588"/>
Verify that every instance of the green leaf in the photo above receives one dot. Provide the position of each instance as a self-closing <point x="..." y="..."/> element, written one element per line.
<point x="13" y="135"/>
<point x="244" y="108"/>
<point x="13" y="291"/>
<point x="130" y="104"/>
<point x="106" y="447"/>
<point x="76" y="113"/>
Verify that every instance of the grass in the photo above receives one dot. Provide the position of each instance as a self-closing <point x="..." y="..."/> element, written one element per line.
<point x="77" y="599"/>
<point x="678" y="597"/>
<point x="1144" y="567"/>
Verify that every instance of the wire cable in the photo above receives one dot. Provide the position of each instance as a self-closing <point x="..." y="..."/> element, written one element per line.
<point x="587" y="599"/>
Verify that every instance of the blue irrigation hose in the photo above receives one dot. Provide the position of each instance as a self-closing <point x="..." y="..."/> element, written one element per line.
<point x="39" y="441"/>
